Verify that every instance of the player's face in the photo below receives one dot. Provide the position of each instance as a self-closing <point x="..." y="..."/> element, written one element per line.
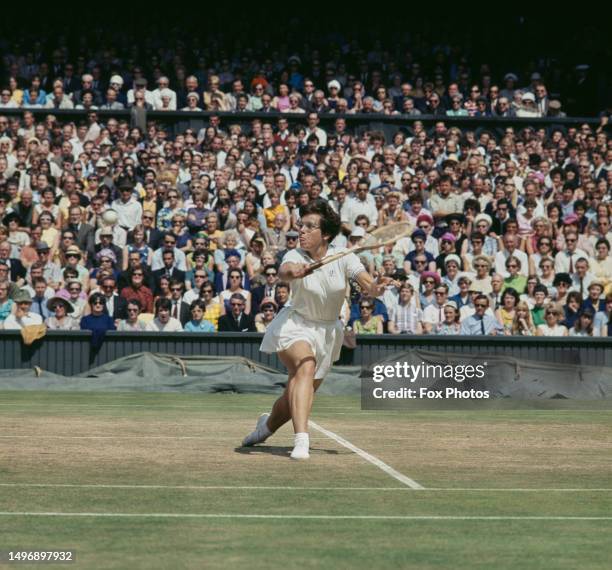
<point x="311" y="237"/>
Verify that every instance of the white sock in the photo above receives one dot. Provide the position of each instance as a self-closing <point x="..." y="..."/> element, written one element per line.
<point x="302" y="439"/>
<point x="301" y="446"/>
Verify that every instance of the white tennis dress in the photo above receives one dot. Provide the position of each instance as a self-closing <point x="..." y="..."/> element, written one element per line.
<point x="313" y="315"/>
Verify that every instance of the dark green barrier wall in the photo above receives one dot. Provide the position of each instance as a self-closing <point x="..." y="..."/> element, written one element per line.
<point x="70" y="353"/>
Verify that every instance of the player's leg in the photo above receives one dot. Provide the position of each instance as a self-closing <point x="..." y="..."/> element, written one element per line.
<point x="281" y="410"/>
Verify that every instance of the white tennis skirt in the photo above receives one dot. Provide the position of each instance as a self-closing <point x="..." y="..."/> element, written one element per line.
<point x="325" y="338"/>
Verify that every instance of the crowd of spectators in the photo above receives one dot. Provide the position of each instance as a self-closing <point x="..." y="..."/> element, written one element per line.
<point x="107" y="226"/>
<point x="447" y="69"/>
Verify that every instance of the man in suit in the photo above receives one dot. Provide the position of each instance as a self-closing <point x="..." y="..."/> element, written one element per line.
<point x="180" y="309"/>
<point x="17" y="271"/>
<point x="153" y="236"/>
<point x="237" y="320"/>
<point x="168" y="270"/>
<point x="267" y="290"/>
<point x="135" y="262"/>
<point x="83" y="233"/>
<point x="115" y="305"/>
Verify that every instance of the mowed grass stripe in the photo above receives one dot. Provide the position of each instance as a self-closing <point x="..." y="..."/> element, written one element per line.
<point x="307" y="517"/>
<point x="274" y="502"/>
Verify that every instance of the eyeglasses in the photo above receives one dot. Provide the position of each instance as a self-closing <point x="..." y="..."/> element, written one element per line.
<point x="147" y="217"/>
<point x="73" y="255"/>
<point x="307" y="226"/>
<point x="440" y="292"/>
<point x="271" y="274"/>
<point x="420" y="261"/>
<point x="95" y="303"/>
<point x="199" y="276"/>
<point x="236" y="304"/>
<point x="369" y="307"/>
<point x="176" y="289"/>
<point x="510" y="265"/>
<point x="429" y="281"/>
<point x="480" y="305"/>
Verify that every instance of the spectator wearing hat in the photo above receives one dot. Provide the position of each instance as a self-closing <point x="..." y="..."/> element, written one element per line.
<point x="447" y="247"/>
<point x="140" y="88"/>
<point x="106" y="237"/>
<point x="193" y="102"/>
<point x="291" y="242"/>
<point x="60" y="318"/>
<point x="482" y="225"/>
<point x="22" y="316"/>
<point x="464" y="296"/>
<point x="51" y="271"/>
<point x="595" y="300"/>
<point x="266" y="313"/>
<point x="451" y="276"/>
<point x="527" y="107"/>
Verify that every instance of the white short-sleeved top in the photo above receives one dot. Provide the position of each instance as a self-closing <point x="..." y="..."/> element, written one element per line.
<point x="319" y="296"/>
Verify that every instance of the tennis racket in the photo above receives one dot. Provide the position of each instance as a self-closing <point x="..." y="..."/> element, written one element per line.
<point x="379" y="237"/>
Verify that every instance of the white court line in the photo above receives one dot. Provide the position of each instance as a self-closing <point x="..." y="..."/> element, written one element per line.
<point x="306" y="517"/>
<point x="294" y="488"/>
<point x="365" y="455"/>
<point x="204" y="437"/>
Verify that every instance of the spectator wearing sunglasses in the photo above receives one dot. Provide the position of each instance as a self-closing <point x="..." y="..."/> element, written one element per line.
<point x="98" y="321"/>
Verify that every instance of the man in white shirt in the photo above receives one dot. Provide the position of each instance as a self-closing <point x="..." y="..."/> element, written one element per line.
<point x="163" y="84"/>
<point x="362" y="203"/>
<point x="163" y="322"/>
<point x="565" y="260"/>
<point x="510" y="249"/>
<point x="313" y="129"/>
<point x="128" y="209"/>
<point x="22" y="316"/>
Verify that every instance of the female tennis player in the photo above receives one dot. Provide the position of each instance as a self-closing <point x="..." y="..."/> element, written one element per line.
<point x="308" y="334"/>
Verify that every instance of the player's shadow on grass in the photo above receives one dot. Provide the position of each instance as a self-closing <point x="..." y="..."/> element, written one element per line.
<point x="283" y="451"/>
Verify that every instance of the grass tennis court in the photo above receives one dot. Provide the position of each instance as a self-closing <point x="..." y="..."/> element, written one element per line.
<point x="159" y="481"/>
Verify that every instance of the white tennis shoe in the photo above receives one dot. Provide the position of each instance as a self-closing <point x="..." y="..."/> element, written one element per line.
<point x="259" y="434"/>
